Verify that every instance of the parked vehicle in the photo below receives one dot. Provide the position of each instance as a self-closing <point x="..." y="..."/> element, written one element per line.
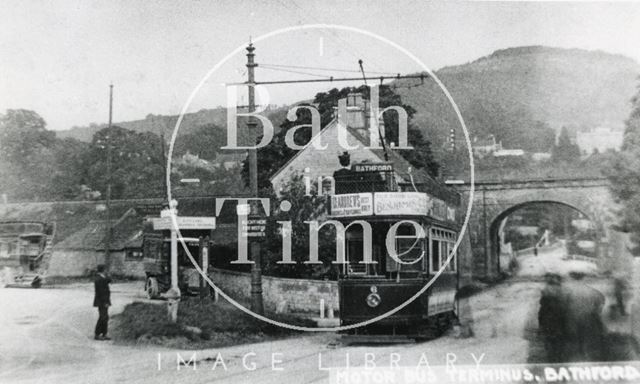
<point x="25" y="250"/>
<point x="157" y="265"/>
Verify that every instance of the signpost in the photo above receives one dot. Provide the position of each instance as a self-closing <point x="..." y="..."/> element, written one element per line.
<point x="166" y="222"/>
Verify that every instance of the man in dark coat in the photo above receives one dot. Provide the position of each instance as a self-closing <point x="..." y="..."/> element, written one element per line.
<point x="102" y="300"/>
<point x="552" y="318"/>
<point x="585" y="329"/>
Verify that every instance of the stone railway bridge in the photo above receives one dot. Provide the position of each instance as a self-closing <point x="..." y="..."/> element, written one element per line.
<point x="493" y="201"/>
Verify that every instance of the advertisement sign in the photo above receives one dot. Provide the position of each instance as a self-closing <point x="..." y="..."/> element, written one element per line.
<point x="402" y="203"/>
<point x="352" y="204"/>
<point x="184" y="222"/>
<point x="438" y="209"/>
<point x="254" y="227"/>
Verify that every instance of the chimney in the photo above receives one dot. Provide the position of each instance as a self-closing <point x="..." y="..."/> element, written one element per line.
<point x="355" y="112"/>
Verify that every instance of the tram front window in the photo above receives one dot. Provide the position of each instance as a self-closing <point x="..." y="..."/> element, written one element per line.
<point x="409" y="249"/>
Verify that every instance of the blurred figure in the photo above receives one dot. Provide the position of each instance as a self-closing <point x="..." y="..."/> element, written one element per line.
<point x="552" y="319"/>
<point x="585" y="329"/>
<point x="620" y="289"/>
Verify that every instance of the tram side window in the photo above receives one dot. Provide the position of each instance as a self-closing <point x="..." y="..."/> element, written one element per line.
<point x="434" y="263"/>
<point x="442" y="243"/>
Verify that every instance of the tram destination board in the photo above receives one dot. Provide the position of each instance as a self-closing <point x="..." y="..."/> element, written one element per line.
<point x="372" y="167"/>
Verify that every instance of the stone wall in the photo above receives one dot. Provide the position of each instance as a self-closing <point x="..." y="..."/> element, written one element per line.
<point x="300" y="295"/>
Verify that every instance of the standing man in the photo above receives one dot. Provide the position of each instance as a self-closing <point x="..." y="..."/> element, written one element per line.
<point x="102" y="300"/>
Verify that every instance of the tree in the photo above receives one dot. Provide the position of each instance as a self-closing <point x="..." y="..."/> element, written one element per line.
<point x="26" y="157"/>
<point x="70" y="171"/>
<point x="625" y="175"/>
<point x="137" y="163"/>
<point x="303" y="208"/>
<point x="565" y="150"/>
<point x="205" y="142"/>
<point x="273" y="156"/>
<point x="23" y="133"/>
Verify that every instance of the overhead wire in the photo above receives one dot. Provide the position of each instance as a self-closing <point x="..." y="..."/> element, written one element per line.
<point x="331" y="31"/>
<point x="323" y="68"/>
<point x="292" y="71"/>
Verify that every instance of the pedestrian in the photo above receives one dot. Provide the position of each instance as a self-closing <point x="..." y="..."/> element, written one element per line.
<point x="552" y="318"/>
<point x="102" y="301"/>
<point x="620" y="288"/>
<point x="585" y="329"/>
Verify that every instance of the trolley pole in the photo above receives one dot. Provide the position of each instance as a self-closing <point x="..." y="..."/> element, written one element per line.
<point x="254" y="246"/>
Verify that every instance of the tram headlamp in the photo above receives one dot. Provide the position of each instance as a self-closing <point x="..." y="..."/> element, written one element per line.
<point x="373" y="300"/>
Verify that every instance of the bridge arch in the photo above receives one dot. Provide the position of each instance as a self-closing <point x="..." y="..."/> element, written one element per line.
<point x="496" y="221"/>
<point x="495" y="200"/>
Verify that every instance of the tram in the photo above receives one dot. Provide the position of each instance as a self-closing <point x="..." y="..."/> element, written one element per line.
<point x="397" y="238"/>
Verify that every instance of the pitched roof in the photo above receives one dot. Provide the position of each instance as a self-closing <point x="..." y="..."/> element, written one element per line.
<point x="422" y="180"/>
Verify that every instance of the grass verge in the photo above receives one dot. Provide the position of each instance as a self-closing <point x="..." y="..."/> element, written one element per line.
<point x="201" y="324"/>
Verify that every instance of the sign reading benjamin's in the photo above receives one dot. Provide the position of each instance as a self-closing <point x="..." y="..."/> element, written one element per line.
<point x="352" y="204"/>
<point x="402" y="203"/>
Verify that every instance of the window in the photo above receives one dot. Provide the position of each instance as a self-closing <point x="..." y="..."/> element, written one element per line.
<point x="441" y="246"/>
<point x="355" y="252"/>
<point x="409" y="249"/>
<point x="406" y="241"/>
<point x="133" y="254"/>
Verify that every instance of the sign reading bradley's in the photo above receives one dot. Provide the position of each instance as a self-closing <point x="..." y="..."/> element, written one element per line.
<point x="352" y="204"/>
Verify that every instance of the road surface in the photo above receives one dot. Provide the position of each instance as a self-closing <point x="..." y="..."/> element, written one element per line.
<point x="46" y="337"/>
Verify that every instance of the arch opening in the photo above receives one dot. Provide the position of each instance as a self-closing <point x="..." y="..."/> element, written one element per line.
<point x="538" y="237"/>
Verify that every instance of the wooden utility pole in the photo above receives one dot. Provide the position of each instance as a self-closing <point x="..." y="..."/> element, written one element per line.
<point x="254" y="246"/>
<point x="107" y="253"/>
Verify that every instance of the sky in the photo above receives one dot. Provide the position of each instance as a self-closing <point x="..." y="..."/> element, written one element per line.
<point x="59" y="57"/>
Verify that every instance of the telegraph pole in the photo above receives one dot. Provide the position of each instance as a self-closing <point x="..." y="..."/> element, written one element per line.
<point x="107" y="254"/>
<point x="254" y="246"/>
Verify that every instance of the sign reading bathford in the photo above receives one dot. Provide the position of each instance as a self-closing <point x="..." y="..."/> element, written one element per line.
<point x="352" y="204"/>
<point x="184" y="222"/>
<point x="374" y="167"/>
